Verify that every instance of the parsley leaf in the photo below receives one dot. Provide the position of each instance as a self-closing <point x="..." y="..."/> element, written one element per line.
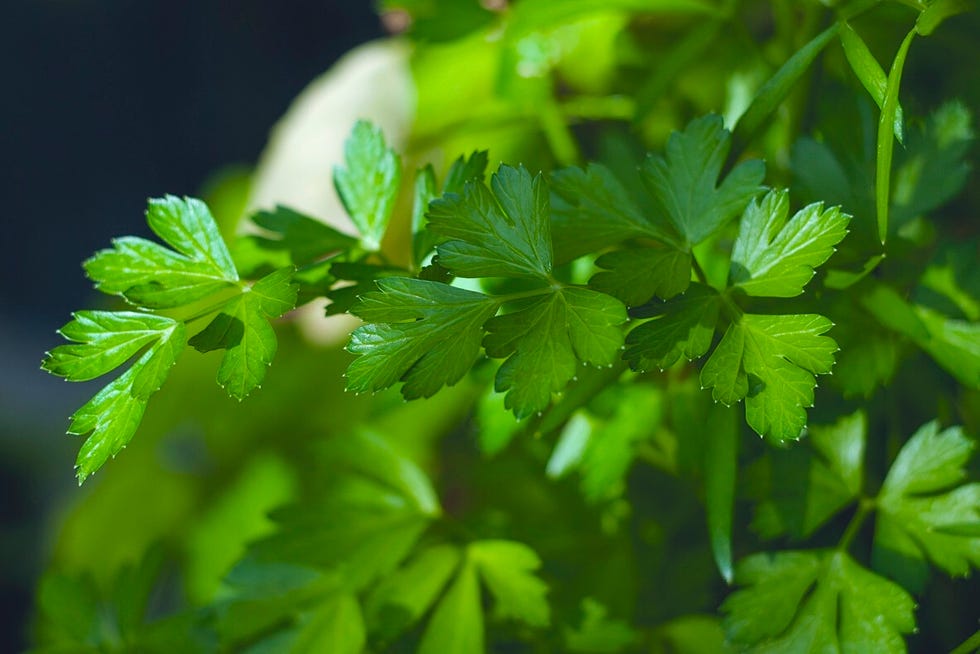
<point x="335" y="626"/>
<point x="592" y="210"/>
<point x="684" y="182"/>
<point x="544" y="340"/>
<point x="424" y="333"/>
<point x="507" y="568"/>
<point x="504" y="233"/>
<point x="771" y="362"/>
<point x="150" y="275"/>
<point x="921" y="494"/>
<point x="304" y="239"/>
<point x="815" y="601"/>
<point x="242" y="329"/>
<point x="775" y="258"/>
<point x="684" y="325"/>
<point x="368" y="182"/>
<point x="104" y="340"/>
<point x="636" y="275"/>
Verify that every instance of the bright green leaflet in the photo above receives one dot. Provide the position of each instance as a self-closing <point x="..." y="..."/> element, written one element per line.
<point x="815" y="601"/>
<point x="242" y="329"/>
<point x="599" y="633"/>
<point x="771" y="362"/>
<point x="684" y="182"/>
<point x="775" y="258"/>
<point x="368" y="182"/>
<point x="150" y="275"/>
<point x="115" y="412"/>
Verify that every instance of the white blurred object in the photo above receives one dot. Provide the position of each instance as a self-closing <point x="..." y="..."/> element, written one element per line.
<point x="372" y="82"/>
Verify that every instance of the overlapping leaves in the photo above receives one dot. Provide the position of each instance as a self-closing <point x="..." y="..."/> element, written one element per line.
<point x="427" y="334"/>
<point x="195" y="274"/>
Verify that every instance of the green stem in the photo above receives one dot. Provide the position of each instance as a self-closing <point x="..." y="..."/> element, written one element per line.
<point x="607" y="107"/>
<point x="971" y="644"/>
<point x="865" y="507"/>
<point x="559" y="136"/>
<point x="534" y="292"/>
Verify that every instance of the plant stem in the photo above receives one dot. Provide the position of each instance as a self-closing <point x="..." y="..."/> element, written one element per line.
<point x="970" y="645"/>
<point x="865" y="507"/>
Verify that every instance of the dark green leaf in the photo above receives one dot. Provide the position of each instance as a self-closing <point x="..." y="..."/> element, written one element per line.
<point x="685" y="182"/>
<point x="500" y="233"/>
<point x="683" y="326"/>
<point x="424" y="333"/>
<point x="634" y="276"/>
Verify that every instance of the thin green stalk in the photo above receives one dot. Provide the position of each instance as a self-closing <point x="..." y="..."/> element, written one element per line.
<point x="970" y="645"/>
<point x="865" y="508"/>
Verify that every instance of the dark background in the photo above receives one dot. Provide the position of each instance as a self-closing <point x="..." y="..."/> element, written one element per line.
<point x="104" y="103"/>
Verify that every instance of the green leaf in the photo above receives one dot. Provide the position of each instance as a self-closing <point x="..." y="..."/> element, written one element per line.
<point x="242" y="329"/>
<point x="423" y="333"/>
<point x="106" y="340"/>
<point x="546" y="338"/>
<point x="685" y="182"/>
<point x="683" y="326"/>
<point x="337" y="627"/>
<point x="923" y="492"/>
<point x="305" y="239"/>
<point x="507" y="568"/>
<point x="811" y="484"/>
<point x="368" y="182"/>
<point x="816" y="601"/>
<point x="592" y="210"/>
<point x="636" y="275"/>
<point x="886" y="143"/>
<point x="150" y="275"/>
<point x="774" y="91"/>
<point x="403" y="597"/>
<point x="775" y="258"/>
<point x="771" y="362"/>
<point x="869" y="72"/>
<point x="500" y="233"/>
<point x="456" y="626"/>
<point x="472" y="168"/>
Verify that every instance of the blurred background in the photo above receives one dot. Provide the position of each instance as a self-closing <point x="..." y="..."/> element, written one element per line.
<point x="104" y="103"/>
